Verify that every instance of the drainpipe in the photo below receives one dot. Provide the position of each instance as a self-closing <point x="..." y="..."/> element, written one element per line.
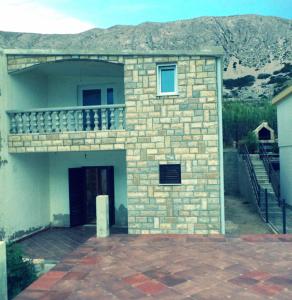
<point x="220" y="134"/>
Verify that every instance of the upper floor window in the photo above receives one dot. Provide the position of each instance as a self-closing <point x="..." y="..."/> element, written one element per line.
<point x="166" y="79"/>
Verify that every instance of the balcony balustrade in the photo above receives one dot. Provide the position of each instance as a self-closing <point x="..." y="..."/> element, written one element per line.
<point x="77" y="118"/>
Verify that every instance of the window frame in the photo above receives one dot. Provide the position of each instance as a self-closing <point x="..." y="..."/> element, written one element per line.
<point x="166" y="66"/>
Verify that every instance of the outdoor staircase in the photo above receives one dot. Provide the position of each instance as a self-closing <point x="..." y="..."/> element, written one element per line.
<point x="275" y="211"/>
<point x="263" y="180"/>
<point x="261" y="173"/>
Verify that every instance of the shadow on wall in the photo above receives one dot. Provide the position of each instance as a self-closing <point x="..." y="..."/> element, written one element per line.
<point x="61" y="220"/>
<point x="122" y="216"/>
<point x="231" y="180"/>
<point x="2" y="234"/>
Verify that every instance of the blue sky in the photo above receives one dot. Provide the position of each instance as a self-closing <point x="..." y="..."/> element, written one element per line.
<point x="50" y="16"/>
<point x="111" y="12"/>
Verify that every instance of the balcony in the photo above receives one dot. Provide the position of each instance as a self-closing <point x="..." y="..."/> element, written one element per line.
<point x="65" y="119"/>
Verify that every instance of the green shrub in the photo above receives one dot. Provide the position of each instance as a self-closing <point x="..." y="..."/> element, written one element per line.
<point x="251" y="142"/>
<point x="20" y="271"/>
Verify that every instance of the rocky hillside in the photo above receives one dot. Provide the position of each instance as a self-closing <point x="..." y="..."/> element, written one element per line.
<point x="258" y="49"/>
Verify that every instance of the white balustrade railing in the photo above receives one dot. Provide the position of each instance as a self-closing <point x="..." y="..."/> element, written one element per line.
<point x="77" y="118"/>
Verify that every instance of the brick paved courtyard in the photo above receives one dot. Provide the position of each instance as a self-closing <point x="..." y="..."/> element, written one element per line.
<point x="171" y="267"/>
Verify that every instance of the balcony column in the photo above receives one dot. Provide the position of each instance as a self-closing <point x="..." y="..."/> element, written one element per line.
<point x="41" y="122"/>
<point x="87" y="117"/>
<point x="112" y="119"/>
<point x="56" y="122"/>
<point x="49" y="127"/>
<point x="121" y="119"/>
<point x="64" y="121"/>
<point x="104" y="119"/>
<point x="79" y="120"/>
<point x="13" y="124"/>
<point x="95" y="118"/>
<point x="33" y="123"/>
<point x="26" y="123"/>
<point x="72" y="124"/>
<point x="19" y="123"/>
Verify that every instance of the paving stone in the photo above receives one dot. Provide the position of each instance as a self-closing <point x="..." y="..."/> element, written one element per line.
<point x="267" y="289"/>
<point x="257" y="275"/>
<point x="171" y="280"/>
<point x="281" y="281"/>
<point x="243" y="281"/>
<point x="136" y="279"/>
<point x="74" y="275"/>
<point x="151" y="287"/>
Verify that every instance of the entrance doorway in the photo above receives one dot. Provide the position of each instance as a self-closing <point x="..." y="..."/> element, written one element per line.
<point x="84" y="185"/>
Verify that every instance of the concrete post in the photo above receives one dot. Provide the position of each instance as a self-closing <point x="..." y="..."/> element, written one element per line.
<point x="3" y="271"/>
<point x="102" y="216"/>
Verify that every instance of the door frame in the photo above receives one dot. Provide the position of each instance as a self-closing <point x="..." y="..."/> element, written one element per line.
<point x="111" y="207"/>
<point x="102" y="87"/>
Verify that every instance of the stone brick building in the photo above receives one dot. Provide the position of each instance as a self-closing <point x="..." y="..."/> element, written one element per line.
<point x="144" y="128"/>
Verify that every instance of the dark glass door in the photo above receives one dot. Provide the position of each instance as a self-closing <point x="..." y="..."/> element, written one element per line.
<point x="84" y="185"/>
<point x="76" y="194"/>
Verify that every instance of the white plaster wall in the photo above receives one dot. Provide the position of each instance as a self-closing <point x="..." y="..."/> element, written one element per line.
<point x="286" y="173"/>
<point x="59" y="186"/>
<point x="27" y="90"/>
<point x="24" y="201"/>
<point x="63" y="90"/>
<point x="284" y="116"/>
<point x="3" y="143"/>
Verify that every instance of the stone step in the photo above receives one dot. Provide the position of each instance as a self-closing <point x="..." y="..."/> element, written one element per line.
<point x="261" y="169"/>
<point x="266" y="183"/>
<point x="263" y="177"/>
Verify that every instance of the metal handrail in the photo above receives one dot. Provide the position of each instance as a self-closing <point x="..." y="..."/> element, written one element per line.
<point x="252" y="174"/>
<point x="274" y="178"/>
<point x="258" y="194"/>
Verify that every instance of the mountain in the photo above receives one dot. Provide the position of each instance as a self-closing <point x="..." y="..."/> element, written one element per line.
<point x="258" y="49"/>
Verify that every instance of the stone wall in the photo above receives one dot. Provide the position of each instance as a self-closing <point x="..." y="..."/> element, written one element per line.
<point x="172" y="129"/>
<point x="67" y="141"/>
<point x="160" y="129"/>
<point x="231" y="184"/>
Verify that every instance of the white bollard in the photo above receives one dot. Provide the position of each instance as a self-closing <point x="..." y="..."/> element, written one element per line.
<point x="3" y="271"/>
<point x="102" y="216"/>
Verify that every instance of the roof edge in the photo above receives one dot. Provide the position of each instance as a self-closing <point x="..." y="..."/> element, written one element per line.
<point x="282" y="95"/>
<point x="209" y="51"/>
